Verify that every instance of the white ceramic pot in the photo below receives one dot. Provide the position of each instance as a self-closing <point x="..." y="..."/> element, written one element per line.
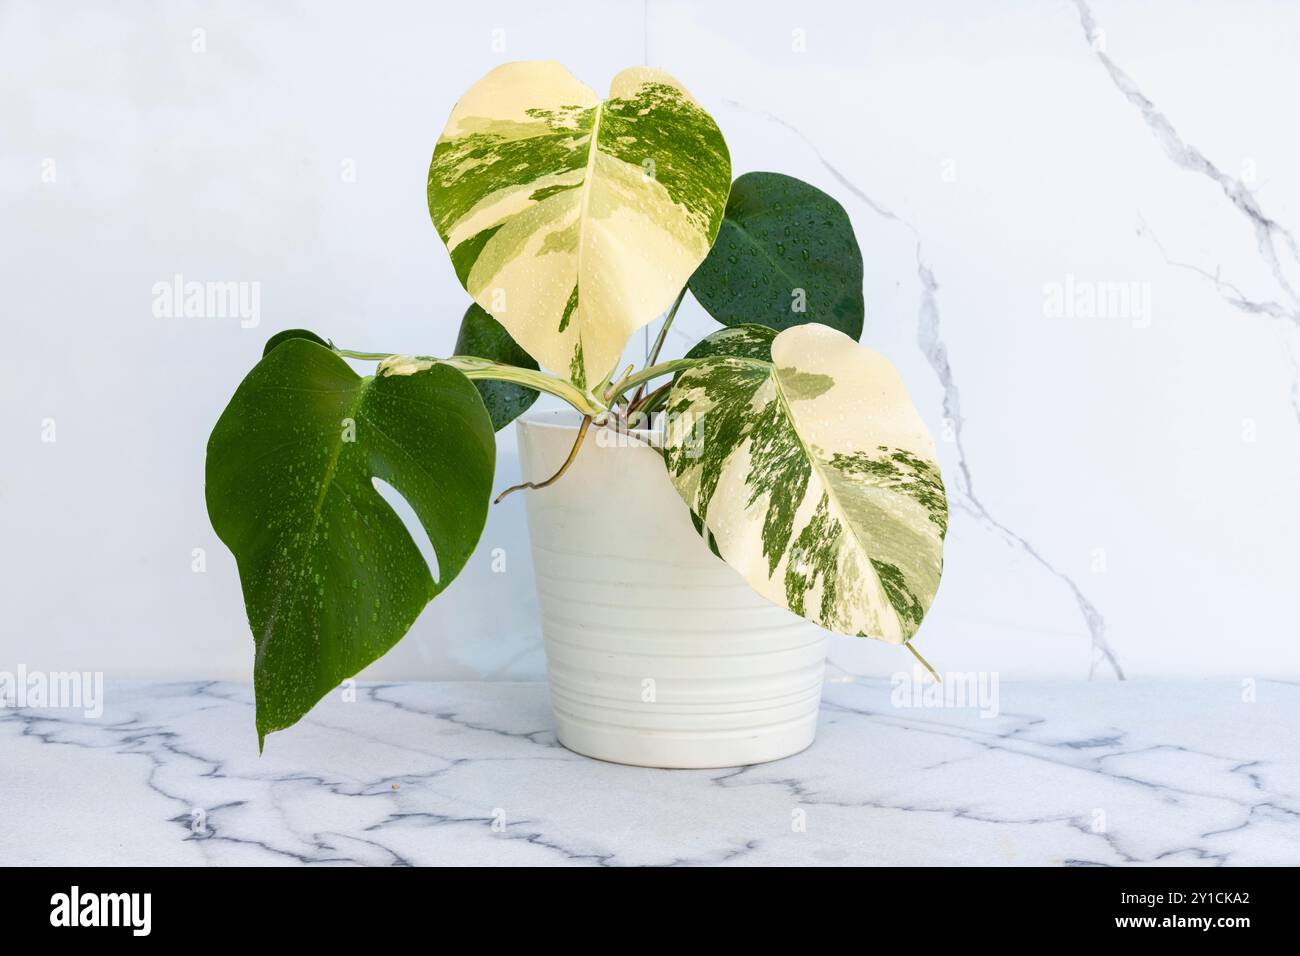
<point x="658" y="653"/>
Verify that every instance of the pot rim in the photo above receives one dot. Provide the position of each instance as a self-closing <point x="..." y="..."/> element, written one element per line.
<point x="568" y="419"/>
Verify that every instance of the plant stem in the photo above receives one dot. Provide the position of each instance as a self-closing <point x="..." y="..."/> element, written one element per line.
<point x="917" y="654"/>
<point x="573" y="453"/>
<point x="473" y="367"/>
<point x="660" y="339"/>
<point x="663" y="332"/>
<point x="648" y="401"/>
<point x="653" y="372"/>
<point x="617" y="386"/>
<point x="363" y="356"/>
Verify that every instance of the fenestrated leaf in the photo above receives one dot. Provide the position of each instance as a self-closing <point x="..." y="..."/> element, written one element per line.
<point x="484" y="337"/>
<point x="574" y="221"/>
<point x="817" y="479"/>
<point x="281" y="337"/>
<point x="331" y="577"/>
<point x="785" y="255"/>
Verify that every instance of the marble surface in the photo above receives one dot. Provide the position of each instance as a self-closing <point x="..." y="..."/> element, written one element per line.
<point x="1073" y="773"/>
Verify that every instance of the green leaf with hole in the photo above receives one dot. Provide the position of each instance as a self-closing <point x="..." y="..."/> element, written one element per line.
<point x="785" y="255"/>
<point x="331" y="577"/>
<point x="484" y="337"/>
<point x="815" y="476"/>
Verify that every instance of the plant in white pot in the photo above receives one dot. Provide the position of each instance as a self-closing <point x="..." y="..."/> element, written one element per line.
<point x="688" y="519"/>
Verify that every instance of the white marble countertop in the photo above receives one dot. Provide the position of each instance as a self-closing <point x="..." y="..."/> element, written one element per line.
<point x="1077" y="773"/>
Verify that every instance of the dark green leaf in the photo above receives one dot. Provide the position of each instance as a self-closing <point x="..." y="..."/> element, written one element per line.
<point x="784" y="246"/>
<point x="484" y="337"/>
<point x="331" y="576"/>
<point x="281" y="337"/>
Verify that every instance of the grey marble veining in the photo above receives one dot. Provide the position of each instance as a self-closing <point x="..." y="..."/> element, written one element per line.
<point x="1195" y="773"/>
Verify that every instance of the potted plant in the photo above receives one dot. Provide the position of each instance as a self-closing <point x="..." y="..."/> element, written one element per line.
<point x="688" y="518"/>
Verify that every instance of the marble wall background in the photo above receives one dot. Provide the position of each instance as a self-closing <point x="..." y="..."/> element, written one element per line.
<point x="1123" y="485"/>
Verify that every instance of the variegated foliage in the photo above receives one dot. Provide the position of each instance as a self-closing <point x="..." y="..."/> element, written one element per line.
<point x="805" y="459"/>
<point x="574" y="221"/>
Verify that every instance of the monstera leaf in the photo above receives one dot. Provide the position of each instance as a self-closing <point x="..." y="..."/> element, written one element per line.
<point x="785" y="255"/>
<point x="281" y="337"/>
<point x="745" y="341"/>
<point x="331" y="577"/>
<point x="484" y="337"/>
<point x="815" y="476"/>
<point x="574" y="221"/>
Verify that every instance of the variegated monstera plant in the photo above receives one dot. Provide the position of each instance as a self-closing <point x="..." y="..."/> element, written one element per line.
<point x="574" y="221"/>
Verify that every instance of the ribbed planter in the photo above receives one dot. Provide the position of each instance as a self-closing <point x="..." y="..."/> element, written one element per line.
<point x="658" y="653"/>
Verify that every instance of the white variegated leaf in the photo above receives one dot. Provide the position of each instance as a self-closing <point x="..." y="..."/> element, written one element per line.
<point x="574" y="221"/>
<point x="816" y="477"/>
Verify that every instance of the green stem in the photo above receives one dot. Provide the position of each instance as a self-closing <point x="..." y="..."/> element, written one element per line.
<point x="660" y="339"/>
<point x="473" y="367"/>
<point x="363" y="356"/>
<point x="663" y="332"/>
<point x="653" y="372"/>
<point x="917" y="654"/>
<point x="617" y="387"/>
<point x="562" y="388"/>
